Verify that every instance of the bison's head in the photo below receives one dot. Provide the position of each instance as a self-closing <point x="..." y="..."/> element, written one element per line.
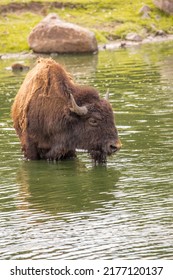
<point x="94" y="128"/>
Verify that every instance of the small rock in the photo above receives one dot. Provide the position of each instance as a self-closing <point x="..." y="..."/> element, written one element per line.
<point x="123" y="44"/>
<point x="146" y="15"/>
<point x="158" y="17"/>
<point x="133" y="37"/>
<point x="160" y="33"/>
<point x="19" y="67"/>
<point x="53" y="35"/>
<point x="144" y="11"/>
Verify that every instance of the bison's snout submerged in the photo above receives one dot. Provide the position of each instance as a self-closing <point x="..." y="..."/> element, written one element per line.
<point x="53" y="116"/>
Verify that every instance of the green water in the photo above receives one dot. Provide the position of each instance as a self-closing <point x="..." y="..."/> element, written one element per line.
<point x="74" y="210"/>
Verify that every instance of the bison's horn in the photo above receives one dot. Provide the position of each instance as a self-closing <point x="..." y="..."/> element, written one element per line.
<point x="107" y="95"/>
<point x="81" y="111"/>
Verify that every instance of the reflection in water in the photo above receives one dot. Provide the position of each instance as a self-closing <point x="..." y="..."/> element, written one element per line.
<point x="65" y="187"/>
<point x="73" y="210"/>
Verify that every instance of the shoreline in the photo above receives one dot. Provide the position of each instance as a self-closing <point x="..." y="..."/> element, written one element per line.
<point x="115" y="24"/>
<point x="112" y="45"/>
<point x="127" y="43"/>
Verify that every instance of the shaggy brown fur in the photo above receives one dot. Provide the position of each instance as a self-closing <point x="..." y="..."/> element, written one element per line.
<point x="46" y="124"/>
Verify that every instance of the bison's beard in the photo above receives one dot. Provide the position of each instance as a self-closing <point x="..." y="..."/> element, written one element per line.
<point x="98" y="156"/>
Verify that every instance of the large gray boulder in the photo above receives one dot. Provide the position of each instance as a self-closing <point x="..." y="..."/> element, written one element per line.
<point x="52" y="35"/>
<point x="165" y="5"/>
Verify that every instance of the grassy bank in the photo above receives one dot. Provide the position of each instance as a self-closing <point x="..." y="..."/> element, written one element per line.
<point x="108" y="19"/>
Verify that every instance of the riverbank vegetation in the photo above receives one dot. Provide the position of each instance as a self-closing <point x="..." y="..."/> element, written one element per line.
<point x="108" y="19"/>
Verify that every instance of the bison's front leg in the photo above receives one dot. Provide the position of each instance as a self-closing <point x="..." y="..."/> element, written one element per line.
<point x="29" y="148"/>
<point x="59" y="154"/>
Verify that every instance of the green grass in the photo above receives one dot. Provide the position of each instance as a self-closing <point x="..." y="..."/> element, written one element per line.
<point x="108" y="19"/>
<point x="14" y="31"/>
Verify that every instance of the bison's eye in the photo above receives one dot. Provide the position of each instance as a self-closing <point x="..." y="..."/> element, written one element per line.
<point x="93" y="122"/>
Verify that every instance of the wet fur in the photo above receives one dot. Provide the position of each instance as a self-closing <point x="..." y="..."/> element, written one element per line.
<point x="44" y="122"/>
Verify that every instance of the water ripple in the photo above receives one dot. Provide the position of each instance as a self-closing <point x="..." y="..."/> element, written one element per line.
<point x="73" y="210"/>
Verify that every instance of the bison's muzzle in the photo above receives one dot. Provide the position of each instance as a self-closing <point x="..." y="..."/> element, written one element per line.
<point x="113" y="147"/>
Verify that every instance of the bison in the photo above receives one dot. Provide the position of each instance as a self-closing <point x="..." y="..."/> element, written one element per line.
<point x="53" y="116"/>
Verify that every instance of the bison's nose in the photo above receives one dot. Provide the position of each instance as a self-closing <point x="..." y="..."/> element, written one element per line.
<point x="115" y="146"/>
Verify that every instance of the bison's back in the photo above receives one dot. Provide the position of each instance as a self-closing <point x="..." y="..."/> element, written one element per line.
<point x="41" y="95"/>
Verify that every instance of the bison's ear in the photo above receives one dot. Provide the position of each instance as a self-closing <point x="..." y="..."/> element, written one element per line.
<point x="107" y="95"/>
<point x="81" y="111"/>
